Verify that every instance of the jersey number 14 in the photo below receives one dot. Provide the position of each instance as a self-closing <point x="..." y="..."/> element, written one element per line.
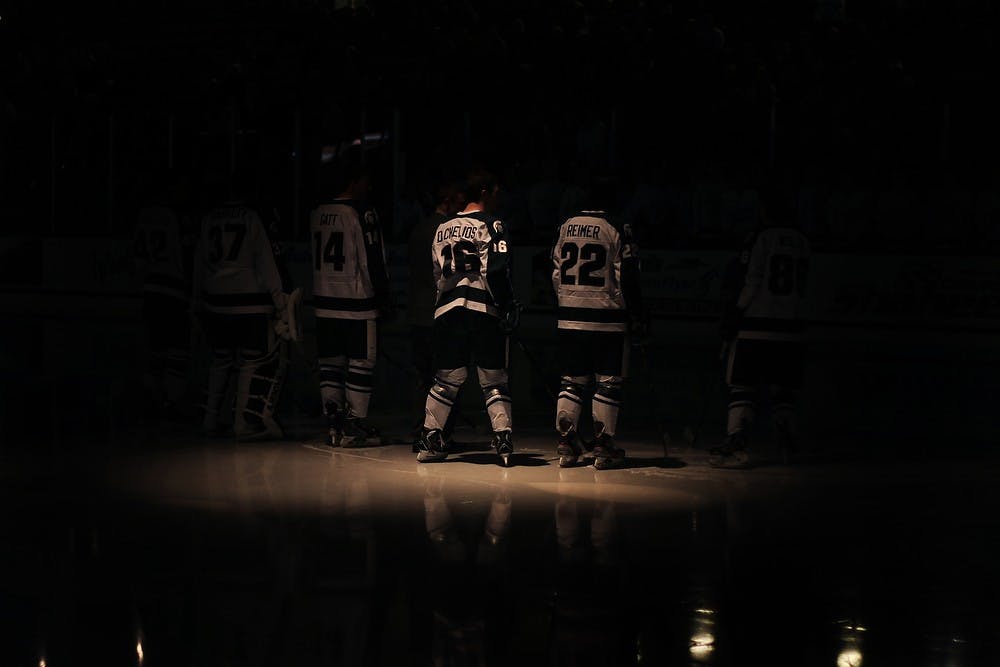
<point x="331" y="252"/>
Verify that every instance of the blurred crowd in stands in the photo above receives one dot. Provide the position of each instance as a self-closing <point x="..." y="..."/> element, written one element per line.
<point x="877" y="113"/>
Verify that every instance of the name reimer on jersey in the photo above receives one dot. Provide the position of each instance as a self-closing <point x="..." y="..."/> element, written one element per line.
<point x="595" y="267"/>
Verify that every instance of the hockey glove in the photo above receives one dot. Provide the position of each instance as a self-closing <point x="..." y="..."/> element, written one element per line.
<point x="511" y="317"/>
<point x="638" y="328"/>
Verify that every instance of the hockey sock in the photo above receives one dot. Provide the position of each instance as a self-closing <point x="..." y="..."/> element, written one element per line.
<point x="497" y="397"/>
<point x="332" y="380"/>
<point x="570" y="402"/>
<point x="607" y="401"/>
<point x="741" y="408"/>
<point x="784" y="407"/>
<point x="360" y="376"/>
<point x="441" y="397"/>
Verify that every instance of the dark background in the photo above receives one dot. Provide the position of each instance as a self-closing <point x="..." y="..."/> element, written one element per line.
<point x="877" y="115"/>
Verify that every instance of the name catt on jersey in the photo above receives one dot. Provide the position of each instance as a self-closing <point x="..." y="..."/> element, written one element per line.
<point x="594" y="261"/>
<point x="471" y="264"/>
<point x="349" y="268"/>
<point x="235" y="270"/>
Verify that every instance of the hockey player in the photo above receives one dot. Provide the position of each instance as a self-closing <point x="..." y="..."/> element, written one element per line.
<point x="762" y="328"/>
<point x="350" y="291"/>
<point x="449" y="199"/>
<point x="162" y="248"/>
<point x="595" y="274"/>
<point x="237" y="291"/>
<point x="474" y="313"/>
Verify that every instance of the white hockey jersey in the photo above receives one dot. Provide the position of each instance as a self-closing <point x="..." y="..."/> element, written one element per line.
<point x="234" y="268"/>
<point x="350" y="280"/>
<point x="471" y="255"/>
<point x="774" y="287"/>
<point x="158" y="253"/>
<point x="595" y="267"/>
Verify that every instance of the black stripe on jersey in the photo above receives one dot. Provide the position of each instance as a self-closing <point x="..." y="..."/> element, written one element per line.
<point x="253" y="299"/>
<point x="465" y="292"/>
<point x="344" y="304"/>
<point x="771" y="324"/>
<point x="602" y="315"/>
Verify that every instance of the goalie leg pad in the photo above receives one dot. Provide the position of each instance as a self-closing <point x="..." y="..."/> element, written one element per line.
<point x="259" y="388"/>
<point x="497" y="397"/>
<point x="441" y="397"/>
<point x="607" y="402"/>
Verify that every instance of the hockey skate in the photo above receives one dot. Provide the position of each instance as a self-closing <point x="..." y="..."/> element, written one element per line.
<point x="334" y="424"/>
<point x="568" y="448"/>
<point x="733" y="454"/>
<point x="504" y="447"/>
<point x="432" y="447"/>
<point x="606" y="453"/>
<point x="359" y="432"/>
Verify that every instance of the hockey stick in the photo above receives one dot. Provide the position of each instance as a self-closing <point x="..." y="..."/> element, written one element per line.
<point x="710" y="394"/>
<point x="533" y="363"/>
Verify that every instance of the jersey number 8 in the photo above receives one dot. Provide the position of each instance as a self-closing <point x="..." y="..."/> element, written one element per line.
<point x="787" y="275"/>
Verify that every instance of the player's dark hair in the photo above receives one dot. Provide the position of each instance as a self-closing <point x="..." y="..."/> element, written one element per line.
<point x="601" y="192"/>
<point x="347" y="167"/>
<point x="243" y="183"/>
<point x="477" y="181"/>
